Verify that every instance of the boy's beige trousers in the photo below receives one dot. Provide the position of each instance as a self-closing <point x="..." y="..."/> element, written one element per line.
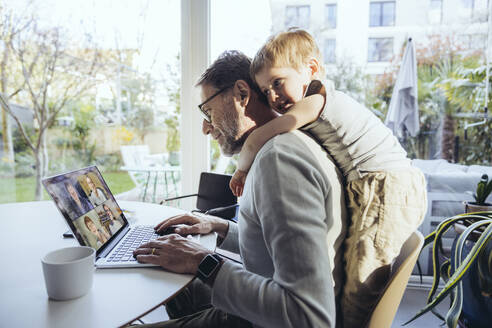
<point x="385" y="209"/>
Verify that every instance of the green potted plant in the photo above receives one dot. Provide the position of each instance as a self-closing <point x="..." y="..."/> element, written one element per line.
<point x="484" y="188"/>
<point x="467" y="273"/>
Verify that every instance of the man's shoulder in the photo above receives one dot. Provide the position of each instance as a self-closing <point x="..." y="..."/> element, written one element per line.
<point x="302" y="145"/>
<point x="294" y="141"/>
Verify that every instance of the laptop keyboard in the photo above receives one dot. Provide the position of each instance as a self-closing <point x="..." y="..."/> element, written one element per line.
<point x="137" y="236"/>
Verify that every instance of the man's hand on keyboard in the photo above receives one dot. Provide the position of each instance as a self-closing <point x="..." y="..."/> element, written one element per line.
<point x="193" y="224"/>
<point x="172" y="252"/>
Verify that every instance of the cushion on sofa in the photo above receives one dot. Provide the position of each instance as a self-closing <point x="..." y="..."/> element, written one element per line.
<point x="481" y="170"/>
<point x="452" y="182"/>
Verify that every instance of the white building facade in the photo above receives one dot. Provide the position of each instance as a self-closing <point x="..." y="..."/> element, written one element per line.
<point x="372" y="32"/>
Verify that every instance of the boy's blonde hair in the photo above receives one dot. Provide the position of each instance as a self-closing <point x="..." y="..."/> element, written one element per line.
<point x="292" y="48"/>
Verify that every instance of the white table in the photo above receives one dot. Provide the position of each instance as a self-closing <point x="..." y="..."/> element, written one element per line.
<point x="118" y="296"/>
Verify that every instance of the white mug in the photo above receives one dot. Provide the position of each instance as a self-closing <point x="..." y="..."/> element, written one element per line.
<point x="68" y="272"/>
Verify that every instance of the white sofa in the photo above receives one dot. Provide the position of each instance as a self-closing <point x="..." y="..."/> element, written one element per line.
<point x="442" y="176"/>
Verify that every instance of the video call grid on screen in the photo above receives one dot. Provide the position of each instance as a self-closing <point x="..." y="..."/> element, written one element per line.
<point x="87" y="204"/>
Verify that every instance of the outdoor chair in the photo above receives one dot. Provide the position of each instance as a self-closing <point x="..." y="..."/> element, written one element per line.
<point x="214" y="196"/>
<point x="136" y="156"/>
<point x="388" y="304"/>
<point x="144" y="170"/>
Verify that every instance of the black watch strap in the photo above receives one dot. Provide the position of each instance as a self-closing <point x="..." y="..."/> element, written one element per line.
<point x="208" y="266"/>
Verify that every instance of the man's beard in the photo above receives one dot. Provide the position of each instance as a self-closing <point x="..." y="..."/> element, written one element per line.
<point x="230" y="130"/>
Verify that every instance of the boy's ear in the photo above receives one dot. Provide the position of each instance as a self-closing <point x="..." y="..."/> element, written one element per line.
<point x="313" y="66"/>
<point x="242" y="92"/>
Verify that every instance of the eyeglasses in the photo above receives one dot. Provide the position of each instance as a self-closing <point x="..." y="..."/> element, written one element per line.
<point x="206" y="115"/>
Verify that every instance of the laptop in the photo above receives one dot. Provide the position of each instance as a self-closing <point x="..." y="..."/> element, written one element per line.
<point x="95" y="218"/>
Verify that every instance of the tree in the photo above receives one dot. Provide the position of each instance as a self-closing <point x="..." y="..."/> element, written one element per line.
<point x="54" y="73"/>
<point x="348" y="78"/>
<point x="444" y="58"/>
<point x="173" y="83"/>
<point x="80" y="131"/>
<point x="139" y="92"/>
<point x="466" y="90"/>
<point x="10" y="82"/>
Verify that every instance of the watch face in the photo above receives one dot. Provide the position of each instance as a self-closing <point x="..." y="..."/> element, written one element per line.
<point x="208" y="264"/>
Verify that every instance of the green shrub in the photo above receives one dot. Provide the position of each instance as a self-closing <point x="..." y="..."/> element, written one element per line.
<point x="24" y="164"/>
<point x="109" y="162"/>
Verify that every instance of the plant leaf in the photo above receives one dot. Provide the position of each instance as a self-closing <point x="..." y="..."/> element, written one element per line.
<point x="457" y="303"/>
<point x="479" y="194"/>
<point x="419" y="269"/>
<point x="485" y="269"/>
<point x="443" y="227"/>
<point x="438" y="315"/>
<point x="481" y="187"/>
<point x="455" y="310"/>
<point x="445" y="270"/>
<point x="429" y="239"/>
<point x="440" y="230"/>
<point x="488" y="190"/>
<point x="462" y="269"/>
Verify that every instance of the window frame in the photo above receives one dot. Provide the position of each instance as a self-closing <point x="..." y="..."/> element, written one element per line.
<point x="327" y="21"/>
<point x="297" y="11"/>
<point x="381" y="5"/>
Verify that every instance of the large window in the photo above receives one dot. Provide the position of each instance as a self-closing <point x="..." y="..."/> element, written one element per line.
<point x="380" y="49"/>
<point x="382" y="13"/>
<point x="329" y="52"/>
<point x="248" y="39"/>
<point x="102" y="75"/>
<point x="297" y="16"/>
<point x="331" y="15"/>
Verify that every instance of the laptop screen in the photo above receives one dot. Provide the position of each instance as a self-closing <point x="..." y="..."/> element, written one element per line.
<point x="87" y="205"/>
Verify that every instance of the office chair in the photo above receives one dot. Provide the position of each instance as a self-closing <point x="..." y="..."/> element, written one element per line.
<point x="388" y="303"/>
<point x="214" y="196"/>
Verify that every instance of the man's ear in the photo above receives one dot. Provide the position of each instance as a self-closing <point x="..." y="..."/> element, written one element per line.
<point x="242" y="92"/>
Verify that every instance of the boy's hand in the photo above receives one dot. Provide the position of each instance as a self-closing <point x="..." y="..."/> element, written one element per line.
<point x="237" y="182"/>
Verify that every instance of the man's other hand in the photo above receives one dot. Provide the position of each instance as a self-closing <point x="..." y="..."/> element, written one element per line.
<point x="194" y="224"/>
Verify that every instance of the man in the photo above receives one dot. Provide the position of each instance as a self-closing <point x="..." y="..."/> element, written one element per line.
<point x="291" y="223"/>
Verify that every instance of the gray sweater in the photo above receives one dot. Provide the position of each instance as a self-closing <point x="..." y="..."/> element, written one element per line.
<point x="290" y="232"/>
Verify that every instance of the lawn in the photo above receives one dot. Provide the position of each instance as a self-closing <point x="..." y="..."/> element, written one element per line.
<point x="118" y="182"/>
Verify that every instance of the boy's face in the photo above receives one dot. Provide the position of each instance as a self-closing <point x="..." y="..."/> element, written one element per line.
<point x="283" y="86"/>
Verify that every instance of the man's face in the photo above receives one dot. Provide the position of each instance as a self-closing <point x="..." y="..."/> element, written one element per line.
<point x="227" y="124"/>
<point x="283" y="86"/>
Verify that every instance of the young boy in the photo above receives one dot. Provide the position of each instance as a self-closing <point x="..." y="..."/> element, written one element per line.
<point x="386" y="195"/>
